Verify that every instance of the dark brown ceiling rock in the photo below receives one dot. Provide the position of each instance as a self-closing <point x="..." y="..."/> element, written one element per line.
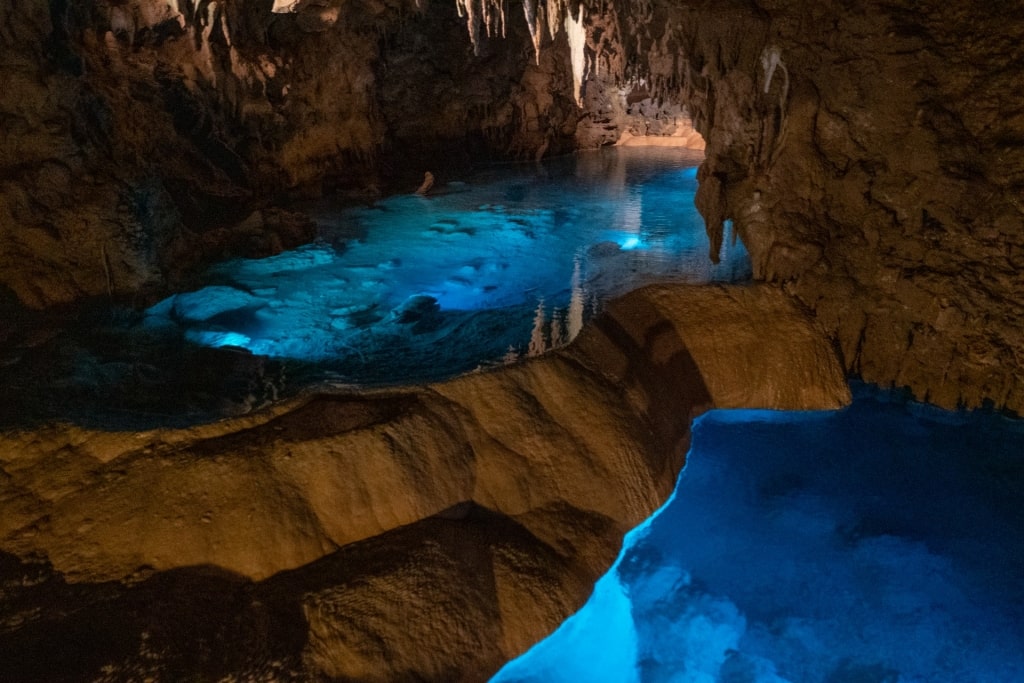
<point x="132" y="129"/>
<point x="433" y="531"/>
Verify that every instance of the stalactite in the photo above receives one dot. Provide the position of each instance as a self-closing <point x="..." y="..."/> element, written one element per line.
<point x="555" y="10"/>
<point x="485" y="15"/>
<point x="535" y="26"/>
<point x="577" y="42"/>
<point x="284" y="6"/>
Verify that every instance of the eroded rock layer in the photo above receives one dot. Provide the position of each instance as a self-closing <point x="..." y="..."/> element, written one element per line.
<point x="428" y="533"/>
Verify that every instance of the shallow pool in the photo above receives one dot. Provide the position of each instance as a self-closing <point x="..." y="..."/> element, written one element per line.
<point x="507" y="263"/>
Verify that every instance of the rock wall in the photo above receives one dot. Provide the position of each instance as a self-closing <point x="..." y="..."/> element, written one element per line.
<point x="870" y="158"/>
<point x="419" y="534"/>
<point x="139" y="136"/>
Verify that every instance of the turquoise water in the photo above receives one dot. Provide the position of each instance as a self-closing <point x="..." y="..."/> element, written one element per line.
<point x="419" y="288"/>
<point x="507" y="262"/>
<point x="876" y="544"/>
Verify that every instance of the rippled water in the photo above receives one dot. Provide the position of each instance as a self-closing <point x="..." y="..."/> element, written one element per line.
<point x="508" y="262"/>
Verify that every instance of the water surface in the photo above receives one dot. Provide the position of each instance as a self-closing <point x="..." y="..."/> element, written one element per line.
<point x="508" y="262"/>
<point x="876" y="544"/>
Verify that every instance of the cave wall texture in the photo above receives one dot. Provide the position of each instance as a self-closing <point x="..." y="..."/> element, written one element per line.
<point x="870" y="155"/>
<point x="138" y="135"/>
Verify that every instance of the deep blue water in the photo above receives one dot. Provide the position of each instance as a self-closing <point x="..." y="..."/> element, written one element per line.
<point x="882" y="543"/>
<point x="877" y="544"/>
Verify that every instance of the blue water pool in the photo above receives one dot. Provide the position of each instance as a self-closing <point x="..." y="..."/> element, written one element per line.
<point x="877" y="544"/>
<point x="506" y="263"/>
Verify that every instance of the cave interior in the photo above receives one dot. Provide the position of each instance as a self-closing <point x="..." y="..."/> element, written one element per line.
<point x="775" y="437"/>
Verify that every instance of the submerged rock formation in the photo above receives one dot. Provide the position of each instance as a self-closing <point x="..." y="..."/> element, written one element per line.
<point x="428" y="533"/>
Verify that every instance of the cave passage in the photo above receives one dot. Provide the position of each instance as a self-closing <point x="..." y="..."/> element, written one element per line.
<point x="876" y="543"/>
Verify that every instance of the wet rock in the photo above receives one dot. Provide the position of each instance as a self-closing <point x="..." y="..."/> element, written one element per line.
<point x="417" y="309"/>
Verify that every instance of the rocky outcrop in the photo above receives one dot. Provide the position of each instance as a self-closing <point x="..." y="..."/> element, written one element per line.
<point x="427" y="532"/>
<point x="868" y="156"/>
<point x="869" y="160"/>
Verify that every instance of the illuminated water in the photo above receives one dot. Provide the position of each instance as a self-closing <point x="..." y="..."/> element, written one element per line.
<point x="416" y="288"/>
<point x="878" y="544"/>
<point x="505" y="263"/>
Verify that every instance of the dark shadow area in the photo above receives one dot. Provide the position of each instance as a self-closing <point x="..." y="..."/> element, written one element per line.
<point x="368" y="600"/>
<point x="186" y="624"/>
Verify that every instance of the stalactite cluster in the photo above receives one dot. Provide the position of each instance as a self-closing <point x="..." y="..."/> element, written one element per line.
<point x="483" y="17"/>
<point x="488" y="17"/>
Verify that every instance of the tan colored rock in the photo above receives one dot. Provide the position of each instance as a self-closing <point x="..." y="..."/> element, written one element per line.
<point x="431" y="531"/>
<point x="601" y="427"/>
<point x="866" y="168"/>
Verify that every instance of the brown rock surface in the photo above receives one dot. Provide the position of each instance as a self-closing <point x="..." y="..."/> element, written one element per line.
<point x="428" y="532"/>
<point x="869" y="157"/>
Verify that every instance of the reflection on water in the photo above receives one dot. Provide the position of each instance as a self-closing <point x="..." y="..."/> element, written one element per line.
<point x="509" y="262"/>
<point x="452" y="280"/>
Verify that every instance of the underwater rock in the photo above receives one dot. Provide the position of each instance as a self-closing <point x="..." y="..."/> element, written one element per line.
<point x="210" y="302"/>
<point x="415" y="309"/>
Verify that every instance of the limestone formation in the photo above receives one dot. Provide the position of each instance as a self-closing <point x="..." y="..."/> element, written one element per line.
<point x="135" y="134"/>
<point x="428" y="532"/>
<point x="868" y="156"/>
